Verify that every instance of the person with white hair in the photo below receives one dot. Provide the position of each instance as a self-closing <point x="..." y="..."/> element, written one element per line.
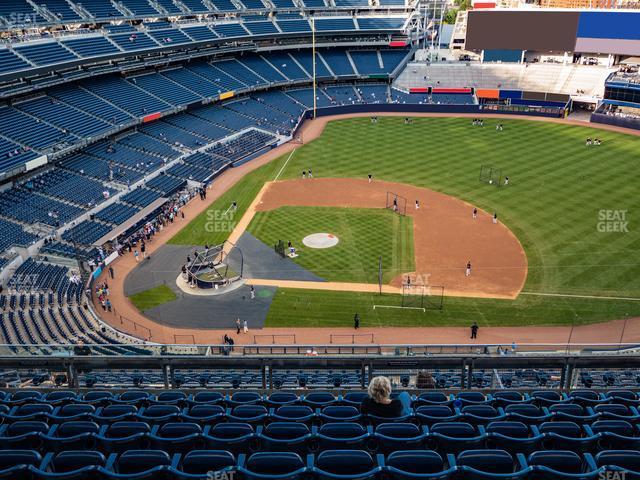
<point x="380" y="403"/>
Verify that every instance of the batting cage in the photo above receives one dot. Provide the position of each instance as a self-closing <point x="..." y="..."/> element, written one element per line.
<point x="396" y="203"/>
<point x="490" y="175"/>
<point x="422" y="297"/>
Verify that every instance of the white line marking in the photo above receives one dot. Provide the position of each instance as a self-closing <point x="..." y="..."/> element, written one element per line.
<point x="597" y="297"/>
<point x="395" y="306"/>
<point x="285" y="164"/>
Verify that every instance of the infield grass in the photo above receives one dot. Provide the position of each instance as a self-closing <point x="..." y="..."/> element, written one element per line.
<point x="364" y="235"/>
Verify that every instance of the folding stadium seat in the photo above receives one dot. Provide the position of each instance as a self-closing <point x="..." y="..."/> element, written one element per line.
<point x="123" y="435"/>
<point x="572" y="412"/>
<point x="486" y="463"/>
<point x="481" y="414"/>
<point x="560" y="464"/>
<point x="453" y="437"/>
<point x="433" y="398"/>
<point x="567" y="436"/>
<point x="515" y="437"/>
<point x="244" y="398"/>
<point x="626" y="397"/>
<point x="59" y="397"/>
<point x="585" y="397"/>
<point x="73" y="411"/>
<point x="281" y="436"/>
<point x="173" y="397"/>
<point x="233" y="436"/>
<point x="412" y="464"/>
<point x="504" y="398"/>
<point x="271" y="465"/>
<point x="319" y="399"/>
<point x="134" y="397"/>
<point x="203" y="413"/>
<point x="176" y="437"/>
<point x="473" y="398"/>
<point x="24" y="396"/>
<point x="545" y="398"/>
<point x="115" y="413"/>
<point x="277" y="399"/>
<point x="205" y="463"/>
<point x="617" y="434"/>
<point x="293" y="413"/>
<point x="527" y="413"/>
<point x="627" y="461"/>
<point x="616" y="411"/>
<point x="430" y="414"/>
<point x="248" y="413"/>
<point x="18" y="464"/>
<point x="22" y="435"/>
<point x="75" y="434"/>
<point x="159" y="413"/>
<point x="72" y="465"/>
<point x="138" y="464"/>
<point x="353" y="398"/>
<point x="29" y="411"/>
<point x="346" y="465"/>
<point x="389" y="437"/>
<point x="96" y="397"/>
<point x="206" y="398"/>
<point x="343" y="435"/>
<point x="340" y="413"/>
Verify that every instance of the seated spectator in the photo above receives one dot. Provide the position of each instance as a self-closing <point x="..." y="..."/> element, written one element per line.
<point x="379" y="402"/>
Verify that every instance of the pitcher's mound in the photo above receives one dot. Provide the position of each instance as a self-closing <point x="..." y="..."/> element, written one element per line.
<point x="320" y="240"/>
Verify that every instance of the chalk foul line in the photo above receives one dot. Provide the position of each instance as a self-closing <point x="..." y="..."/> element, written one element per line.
<point x="285" y="164"/>
<point x="567" y="295"/>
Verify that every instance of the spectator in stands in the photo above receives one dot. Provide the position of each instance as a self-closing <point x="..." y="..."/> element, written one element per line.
<point x="379" y="402"/>
<point x="424" y="380"/>
<point x="81" y="349"/>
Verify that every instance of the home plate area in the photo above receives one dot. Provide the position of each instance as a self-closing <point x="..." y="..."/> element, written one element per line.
<point x="320" y="240"/>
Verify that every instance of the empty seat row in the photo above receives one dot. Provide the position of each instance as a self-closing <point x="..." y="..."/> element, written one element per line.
<point x="348" y="464"/>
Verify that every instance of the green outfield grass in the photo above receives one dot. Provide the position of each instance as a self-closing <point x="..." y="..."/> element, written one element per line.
<point x="560" y="192"/>
<point x="153" y="297"/>
<point x="316" y="308"/>
<point x="364" y="235"/>
<point x="213" y="226"/>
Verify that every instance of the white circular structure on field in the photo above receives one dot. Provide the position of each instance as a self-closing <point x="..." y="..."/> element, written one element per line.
<point x="320" y="240"/>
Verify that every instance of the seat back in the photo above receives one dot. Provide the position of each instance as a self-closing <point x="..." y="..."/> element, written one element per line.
<point x="345" y="462"/>
<point x="416" y="461"/>
<point x="274" y="463"/>
<point x="200" y="462"/>
<point x="489" y="461"/>
<point x="563" y="461"/>
<point x="76" y="459"/>
<point x="136" y="461"/>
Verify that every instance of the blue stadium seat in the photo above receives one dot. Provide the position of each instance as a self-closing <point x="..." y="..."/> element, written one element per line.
<point x="206" y="462"/>
<point x="233" y="436"/>
<point x="514" y="437"/>
<point x="267" y="465"/>
<point x="413" y="464"/>
<point x="176" y="437"/>
<point x="18" y="464"/>
<point x="281" y="436"/>
<point x="72" y="465"/>
<point x="390" y="437"/>
<point x="349" y="435"/>
<point x="454" y="437"/>
<point x="560" y="464"/>
<point x="434" y="413"/>
<point x="477" y="464"/>
<point x="123" y="435"/>
<point x="346" y="464"/>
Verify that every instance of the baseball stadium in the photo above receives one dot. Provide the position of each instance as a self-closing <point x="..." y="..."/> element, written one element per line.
<point x="319" y="239"/>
